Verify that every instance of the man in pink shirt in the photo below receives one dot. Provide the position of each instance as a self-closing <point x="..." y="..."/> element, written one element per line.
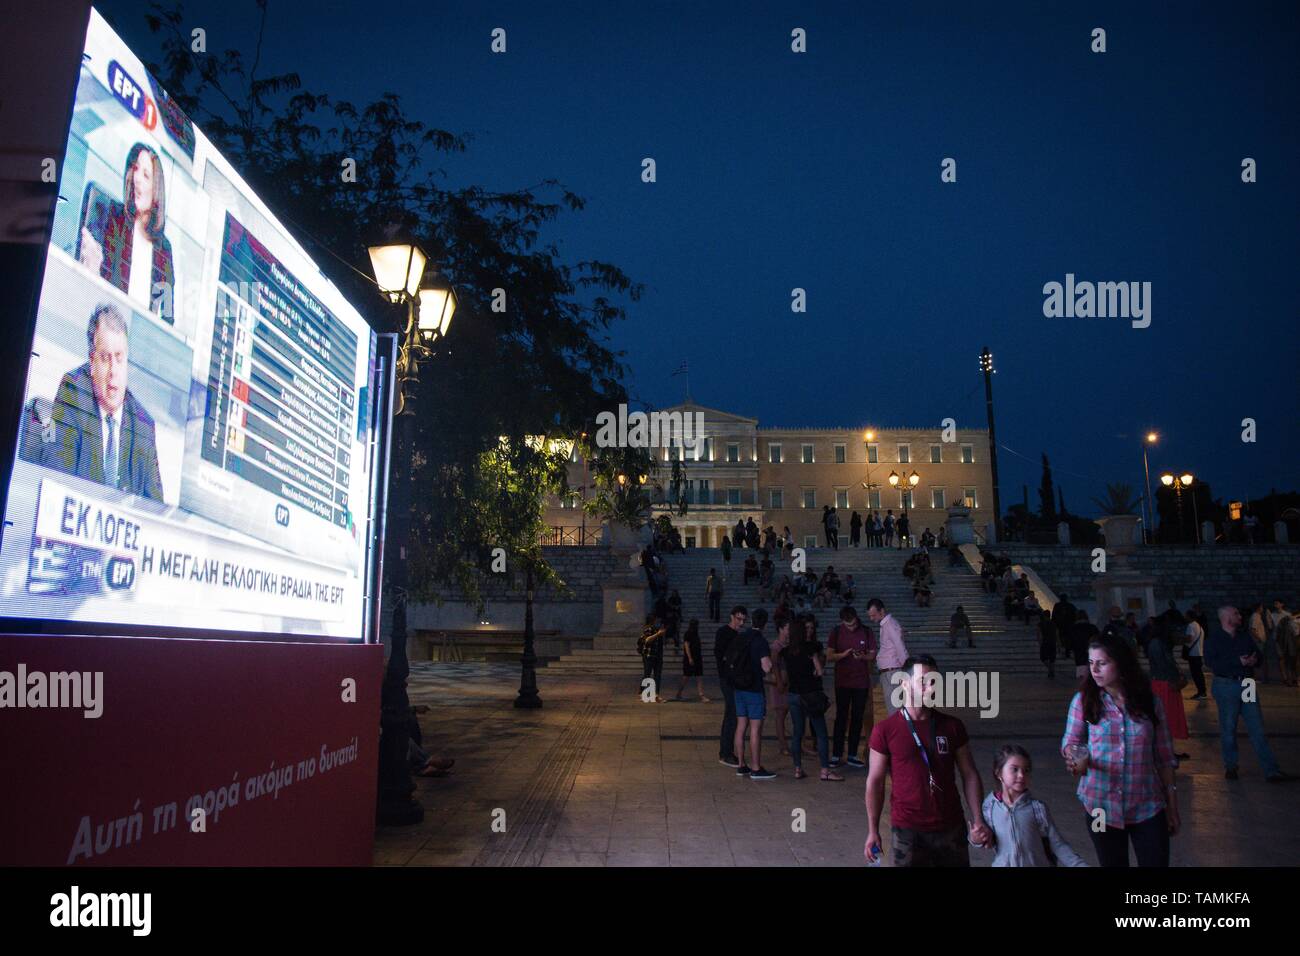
<point x="892" y="652"/>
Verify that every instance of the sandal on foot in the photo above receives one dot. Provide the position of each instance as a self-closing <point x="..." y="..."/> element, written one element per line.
<point x="798" y="773"/>
<point x="832" y="776"/>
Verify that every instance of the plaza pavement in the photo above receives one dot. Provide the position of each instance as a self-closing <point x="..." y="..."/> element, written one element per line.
<point x="598" y="778"/>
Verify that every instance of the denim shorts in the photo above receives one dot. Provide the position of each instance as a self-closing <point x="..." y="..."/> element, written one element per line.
<point x="751" y="704"/>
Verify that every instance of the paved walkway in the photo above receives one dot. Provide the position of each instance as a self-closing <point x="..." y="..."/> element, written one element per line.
<point x="597" y="778"/>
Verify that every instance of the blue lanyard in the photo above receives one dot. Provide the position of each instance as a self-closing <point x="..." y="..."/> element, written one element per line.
<point x="934" y="786"/>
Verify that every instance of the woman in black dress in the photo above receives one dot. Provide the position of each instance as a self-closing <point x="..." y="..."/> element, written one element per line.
<point x="692" y="661"/>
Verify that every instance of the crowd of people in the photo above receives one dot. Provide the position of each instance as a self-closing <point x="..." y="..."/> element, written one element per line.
<point x="783" y="674"/>
<point x="1122" y="725"/>
<point x="870" y="530"/>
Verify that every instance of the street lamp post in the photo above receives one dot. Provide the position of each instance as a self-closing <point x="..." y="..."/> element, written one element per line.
<point x="986" y="366"/>
<point x="869" y="485"/>
<point x="912" y="480"/>
<point x="528" y="698"/>
<point x="399" y="270"/>
<point x="1149" y="534"/>
<point x="1178" y="483"/>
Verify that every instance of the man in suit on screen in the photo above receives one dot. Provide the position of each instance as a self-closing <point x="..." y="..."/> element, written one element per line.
<point x="101" y="432"/>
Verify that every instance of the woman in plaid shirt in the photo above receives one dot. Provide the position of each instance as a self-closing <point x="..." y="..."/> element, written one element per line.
<point x="1127" y="773"/>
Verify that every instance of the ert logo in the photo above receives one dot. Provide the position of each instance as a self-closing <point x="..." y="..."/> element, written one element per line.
<point x="131" y="95"/>
<point x="120" y="574"/>
<point x="282" y="515"/>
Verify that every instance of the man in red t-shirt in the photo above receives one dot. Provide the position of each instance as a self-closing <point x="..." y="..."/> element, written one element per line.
<point x="852" y="648"/>
<point x="922" y="749"/>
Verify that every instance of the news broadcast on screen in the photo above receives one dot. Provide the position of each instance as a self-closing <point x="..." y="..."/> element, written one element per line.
<point x="196" y="448"/>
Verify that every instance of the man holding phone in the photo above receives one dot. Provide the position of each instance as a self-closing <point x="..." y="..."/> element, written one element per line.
<point x="852" y="648"/>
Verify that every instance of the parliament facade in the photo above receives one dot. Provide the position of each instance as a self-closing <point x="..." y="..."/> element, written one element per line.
<point x="785" y="476"/>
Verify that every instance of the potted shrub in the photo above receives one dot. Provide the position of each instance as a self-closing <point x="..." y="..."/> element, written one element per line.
<point x="1119" y="519"/>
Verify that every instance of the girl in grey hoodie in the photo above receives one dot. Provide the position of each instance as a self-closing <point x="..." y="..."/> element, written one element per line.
<point x="1023" y="830"/>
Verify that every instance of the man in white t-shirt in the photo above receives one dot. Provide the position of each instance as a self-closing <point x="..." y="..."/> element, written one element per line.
<point x="892" y="650"/>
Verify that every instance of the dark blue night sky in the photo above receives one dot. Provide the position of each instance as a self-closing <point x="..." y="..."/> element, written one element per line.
<point x="822" y="171"/>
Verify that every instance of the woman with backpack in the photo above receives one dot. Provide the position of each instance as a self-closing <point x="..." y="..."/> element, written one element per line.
<point x="804" y="666"/>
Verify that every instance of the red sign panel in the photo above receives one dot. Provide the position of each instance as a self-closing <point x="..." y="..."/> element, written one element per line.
<point x="130" y="751"/>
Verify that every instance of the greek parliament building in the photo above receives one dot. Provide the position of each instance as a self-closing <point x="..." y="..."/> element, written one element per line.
<point x="785" y="476"/>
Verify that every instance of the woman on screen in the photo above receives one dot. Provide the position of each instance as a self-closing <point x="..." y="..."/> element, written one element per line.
<point x="124" y="241"/>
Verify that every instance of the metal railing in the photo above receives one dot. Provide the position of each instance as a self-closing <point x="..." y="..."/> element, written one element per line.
<point x="569" y="536"/>
<point x="713" y="497"/>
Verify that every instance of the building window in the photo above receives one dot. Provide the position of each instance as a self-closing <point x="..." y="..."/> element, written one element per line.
<point x="703" y="450"/>
<point x="839" y="454"/>
<point x="873" y="453"/>
<point x="810" y="541"/>
<point x="969" y="495"/>
<point x="776" y="499"/>
<point x="841" y="497"/>
<point x="733" y="452"/>
<point x="733" y="496"/>
<point x="937" y="498"/>
<point x="568" y="503"/>
<point x="905" y="500"/>
<point x="690" y="541"/>
<point x="706" y="495"/>
<point x="807" y="454"/>
<point x="905" y="454"/>
<point x="873" y="499"/>
<point x="967" y="454"/>
<point x="936" y="454"/>
<point x="809" y="498"/>
<point x="774" y="453"/>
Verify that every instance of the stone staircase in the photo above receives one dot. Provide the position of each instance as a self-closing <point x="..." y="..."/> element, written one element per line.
<point x="1009" y="647"/>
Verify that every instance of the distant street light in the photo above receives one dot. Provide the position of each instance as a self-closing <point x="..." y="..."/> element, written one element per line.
<point x="1178" y="483"/>
<point x="986" y="367"/>
<point x="867" y="483"/>
<point x="911" y="480"/>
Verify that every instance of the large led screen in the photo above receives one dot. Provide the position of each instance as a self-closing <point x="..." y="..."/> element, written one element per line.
<point x="196" y="445"/>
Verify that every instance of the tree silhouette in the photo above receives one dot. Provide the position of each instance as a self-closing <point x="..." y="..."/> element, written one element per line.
<point x="1046" y="497"/>
<point x="540" y="366"/>
<point x="1119" y="500"/>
